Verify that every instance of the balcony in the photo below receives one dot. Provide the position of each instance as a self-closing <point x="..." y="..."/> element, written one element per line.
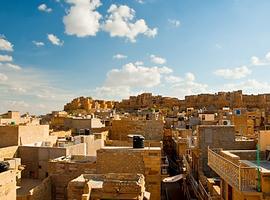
<point x="242" y="178"/>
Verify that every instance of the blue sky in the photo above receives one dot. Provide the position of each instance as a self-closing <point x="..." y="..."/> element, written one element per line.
<point x="52" y="51"/>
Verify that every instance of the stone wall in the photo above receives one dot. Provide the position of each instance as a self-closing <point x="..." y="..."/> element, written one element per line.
<point x="21" y="135"/>
<point x="32" y="133"/>
<point x="146" y="161"/>
<point x="8" y="152"/>
<point x="36" y="158"/>
<point x="10" y="133"/>
<point x="42" y="191"/>
<point x="62" y="172"/>
<point x="264" y="140"/>
<point x="218" y="137"/>
<point x="8" y="185"/>
<point x="92" y="143"/>
<point x="150" y="129"/>
<point x="77" y="149"/>
<point x="88" y="104"/>
<point x="211" y="101"/>
<point x="114" y="186"/>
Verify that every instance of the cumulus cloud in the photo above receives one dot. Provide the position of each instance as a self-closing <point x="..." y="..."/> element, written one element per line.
<point x="119" y="56"/>
<point x="116" y="92"/>
<point x="15" y="105"/>
<point x="136" y="76"/>
<point x="190" y="76"/>
<point x="44" y="8"/>
<point x="5" y="58"/>
<point x="38" y="44"/>
<point x="20" y="87"/>
<point x="173" y="79"/>
<point x="5" y="45"/>
<point x="121" y="23"/>
<point x="10" y="66"/>
<point x="18" y="90"/>
<point x="82" y="18"/>
<point x="139" y="63"/>
<point x="249" y="86"/>
<point x="157" y="60"/>
<point x="186" y="85"/>
<point x="174" y="22"/>
<point x="256" y="61"/>
<point x="55" y="40"/>
<point x="3" y="77"/>
<point x="235" y="73"/>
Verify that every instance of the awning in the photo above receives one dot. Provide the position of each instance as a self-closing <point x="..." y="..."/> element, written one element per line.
<point x="173" y="179"/>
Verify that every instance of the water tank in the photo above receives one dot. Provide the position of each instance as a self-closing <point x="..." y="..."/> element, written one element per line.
<point x="4" y="166"/>
<point x="138" y="141"/>
<point x="86" y="131"/>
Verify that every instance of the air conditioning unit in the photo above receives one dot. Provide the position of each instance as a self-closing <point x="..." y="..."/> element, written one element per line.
<point x="61" y="144"/>
<point x="46" y="144"/>
<point x="226" y="122"/>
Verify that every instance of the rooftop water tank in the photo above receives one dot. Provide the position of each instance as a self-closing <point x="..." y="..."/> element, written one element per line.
<point x="138" y="141"/>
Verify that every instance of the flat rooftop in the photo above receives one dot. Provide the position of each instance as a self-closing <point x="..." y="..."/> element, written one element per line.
<point x="264" y="165"/>
<point x="75" y="159"/>
<point x="131" y="148"/>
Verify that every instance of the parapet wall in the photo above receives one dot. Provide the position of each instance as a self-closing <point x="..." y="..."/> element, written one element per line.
<point x="150" y="129"/>
<point x="42" y="191"/>
<point x="145" y="161"/>
<point x="8" y="152"/>
<point x="8" y="185"/>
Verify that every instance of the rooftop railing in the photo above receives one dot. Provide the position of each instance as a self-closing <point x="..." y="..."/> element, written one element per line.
<point x="243" y="178"/>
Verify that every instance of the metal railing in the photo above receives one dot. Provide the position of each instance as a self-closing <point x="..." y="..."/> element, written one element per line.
<point x="197" y="186"/>
<point x="243" y="178"/>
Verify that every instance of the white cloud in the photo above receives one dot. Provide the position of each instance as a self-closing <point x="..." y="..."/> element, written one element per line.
<point x="5" y="58"/>
<point x="174" y="22"/>
<point x="55" y="40"/>
<point x="20" y="87"/>
<point x="121" y="23"/>
<point x="139" y="63"/>
<point x="43" y="7"/>
<point x="5" y="45"/>
<point x="115" y="93"/>
<point x="164" y="70"/>
<point x="267" y="56"/>
<point x="38" y="44"/>
<point x="18" y="90"/>
<point x="180" y="87"/>
<point x="82" y="19"/>
<point x="235" y="73"/>
<point x="256" y="61"/>
<point x="136" y="76"/>
<point x="3" y="77"/>
<point x="10" y="66"/>
<point x="249" y="86"/>
<point x="140" y="1"/>
<point x="190" y="76"/>
<point x="173" y="79"/>
<point x="157" y="60"/>
<point x="15" y="105"/>
<point x="119" y="56"/>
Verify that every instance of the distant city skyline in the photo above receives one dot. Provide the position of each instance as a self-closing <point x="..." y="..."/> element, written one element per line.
<point x="52" y="51"/>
